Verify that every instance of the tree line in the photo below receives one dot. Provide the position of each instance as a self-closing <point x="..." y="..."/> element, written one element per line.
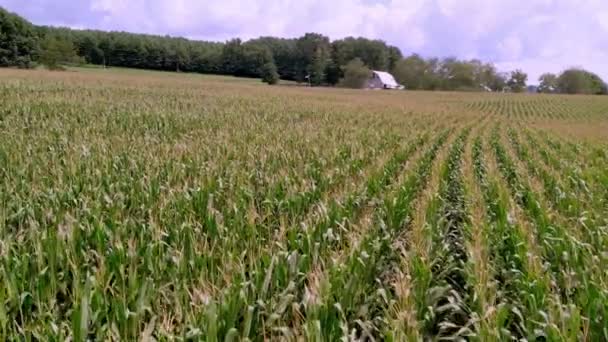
<point x="572" y="81"/>
<point x="312" y="58"/>
<point x="454" y="74"/>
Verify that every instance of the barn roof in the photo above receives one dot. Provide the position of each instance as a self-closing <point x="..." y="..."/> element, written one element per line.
<point x="386" y="78"/>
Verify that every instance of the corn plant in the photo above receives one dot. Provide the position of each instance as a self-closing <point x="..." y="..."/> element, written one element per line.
<point x="138" y="205"/>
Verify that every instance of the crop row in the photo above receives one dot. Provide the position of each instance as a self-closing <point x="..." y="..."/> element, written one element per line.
<point x="540" y="107"/>
<point x="578" y="298"/>
<point x="448" y="294"/>
<point x="162" y="207"/>
<point x="569" y="251"/>
<point x="359" y="290"/>
<point x="277" y="279"/>
<point x="517" y="314"/>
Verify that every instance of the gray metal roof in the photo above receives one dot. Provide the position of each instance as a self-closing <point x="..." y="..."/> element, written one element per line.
<point x="386" y="78"/>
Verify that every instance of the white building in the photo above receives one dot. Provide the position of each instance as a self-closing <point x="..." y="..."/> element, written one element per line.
<point x="382" y="80"/>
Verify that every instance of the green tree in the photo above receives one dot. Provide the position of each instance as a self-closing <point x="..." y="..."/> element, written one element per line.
<point x="356" y="73"/>
<point x="580" y="81"/>
<point x="517" y="81"/>
<point x="394" y="56"/>
<point x="269" y="73"/>
<point x="487" y="77"/>
<point x="547" y="83"/>
<point x="255" y="56"/>
<point x="232" y="57"/>
<point x="87" y="47"/>
<point x="376" y="54"/>
<point x="97" y="56"/>
<point x="182" y="55"/>
<point x="318" y="66"/>
<point x="411" y="72"/>
<point x="457" y="75"/>
<point x="498" y="82"/>
<point x="56" y="51"/>
<point x="598" y="86"/>
<point x="432" y="79"/>
<point x="283" y="52"/>
<point x="106" y="45"/>
<point x="333" y="73"/>
<point x="415" y="72"/>
<point x="18" y="40"/>
<point x="313" y="56"/>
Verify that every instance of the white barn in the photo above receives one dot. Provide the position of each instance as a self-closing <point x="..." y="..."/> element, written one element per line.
<point x="382" y="80"/>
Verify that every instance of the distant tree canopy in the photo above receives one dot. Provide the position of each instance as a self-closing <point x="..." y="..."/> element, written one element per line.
<point x="517" y="81"/>
<point x="270" y="74"/>
<point x="373" y="53"/>
<point x="416" y="72"/>
<point x="18" y="40"/>
<point x="356" y="73"/>
<point x="547" y="83"/>
<point x="56" y="51"/>
<point x="311" y="58"/>
<point x="579" y="81"/>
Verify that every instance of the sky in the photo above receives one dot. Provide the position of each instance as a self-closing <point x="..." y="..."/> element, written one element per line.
<point x="534" y="35"/>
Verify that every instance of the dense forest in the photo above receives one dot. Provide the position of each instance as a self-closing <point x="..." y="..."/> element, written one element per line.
<point x="312" y="58"/>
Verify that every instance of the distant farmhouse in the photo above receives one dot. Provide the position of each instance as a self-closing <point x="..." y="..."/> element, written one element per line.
<point x="382" y="80"/>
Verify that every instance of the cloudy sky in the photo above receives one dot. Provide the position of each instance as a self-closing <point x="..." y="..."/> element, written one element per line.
<point x="535" y="35"/>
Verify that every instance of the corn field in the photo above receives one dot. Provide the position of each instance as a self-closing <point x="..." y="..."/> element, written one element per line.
<point x="150" y="206"/>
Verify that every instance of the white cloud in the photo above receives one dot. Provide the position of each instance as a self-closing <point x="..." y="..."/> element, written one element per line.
<point x="510" y="48"/>
<point x="338" y="18"/>
<point x="602" y="19"/>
